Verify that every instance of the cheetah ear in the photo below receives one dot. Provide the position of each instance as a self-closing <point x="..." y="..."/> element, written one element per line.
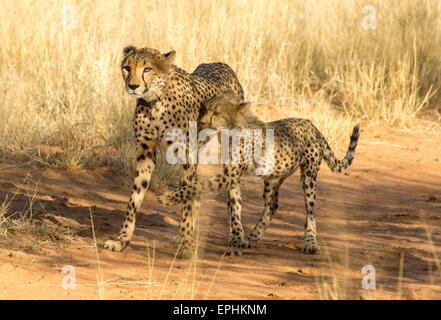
<point x="170" y="56"/>
<point x="231" y="97"/>
<point x="128" y="50"/>
<point x="243" y="109"/>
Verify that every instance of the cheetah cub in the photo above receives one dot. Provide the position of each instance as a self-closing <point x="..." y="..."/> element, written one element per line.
<point x="296" y="143"/>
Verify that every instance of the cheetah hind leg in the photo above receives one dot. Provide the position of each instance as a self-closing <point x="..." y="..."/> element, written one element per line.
<point x="176" y="239"/>
<point x="309" y="188"/>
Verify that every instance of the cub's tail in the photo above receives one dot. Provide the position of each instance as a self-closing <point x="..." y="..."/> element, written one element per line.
<point x="341" y="165"/>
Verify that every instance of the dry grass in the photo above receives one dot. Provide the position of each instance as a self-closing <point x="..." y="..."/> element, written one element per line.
<point x="62" y="98"/>
<point x="21" y="230"/>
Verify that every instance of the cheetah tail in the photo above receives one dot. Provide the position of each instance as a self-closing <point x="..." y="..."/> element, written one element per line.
<point x="341" y="165"/>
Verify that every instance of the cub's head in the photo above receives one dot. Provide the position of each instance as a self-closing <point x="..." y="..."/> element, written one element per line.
<point x="227" y="111"/>
<point x="145" y="71"/>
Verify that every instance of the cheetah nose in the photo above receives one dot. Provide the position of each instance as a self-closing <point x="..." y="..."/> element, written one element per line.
<point x="133" y="86"/>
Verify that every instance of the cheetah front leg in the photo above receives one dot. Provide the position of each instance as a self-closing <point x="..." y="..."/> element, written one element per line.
<point x="144" y="168"/>
<point x="271" y="200"/>
<point x="234" y="204"/>
<point x="189" y="191"/>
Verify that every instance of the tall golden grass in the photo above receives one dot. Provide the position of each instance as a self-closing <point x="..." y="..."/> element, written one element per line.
<point x="62" y="97"/>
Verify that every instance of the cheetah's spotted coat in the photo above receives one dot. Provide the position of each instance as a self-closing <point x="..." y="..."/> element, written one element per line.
<point x="297" y="143"/>
<point x="167" y="97"/>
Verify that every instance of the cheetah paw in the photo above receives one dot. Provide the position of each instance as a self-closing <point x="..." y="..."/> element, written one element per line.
<point x="115" y="245"/>
<point x="245" y="243"/>
<point x="251" y="242"/>
<point x="166" y="199"/>
<point x="310" y="248"/>
<point x="185" y="253"/>
<point x="233" y="251"/>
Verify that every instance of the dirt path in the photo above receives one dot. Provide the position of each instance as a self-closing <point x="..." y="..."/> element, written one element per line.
<point x="381" y="212"/>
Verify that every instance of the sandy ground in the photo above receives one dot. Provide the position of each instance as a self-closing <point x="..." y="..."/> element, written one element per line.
<point x="385" y="212"/>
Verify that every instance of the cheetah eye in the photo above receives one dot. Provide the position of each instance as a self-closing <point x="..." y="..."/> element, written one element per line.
<point x="127" y="68"/>
<point x="147" y="69"/>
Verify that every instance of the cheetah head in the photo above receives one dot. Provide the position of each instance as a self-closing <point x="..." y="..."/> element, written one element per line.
<point x="145" y="71"/>
<point x="225" y="111"/>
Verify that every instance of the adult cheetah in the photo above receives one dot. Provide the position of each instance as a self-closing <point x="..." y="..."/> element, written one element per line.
<point x="296" y="143"/>
<point x="167" y="97"/>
